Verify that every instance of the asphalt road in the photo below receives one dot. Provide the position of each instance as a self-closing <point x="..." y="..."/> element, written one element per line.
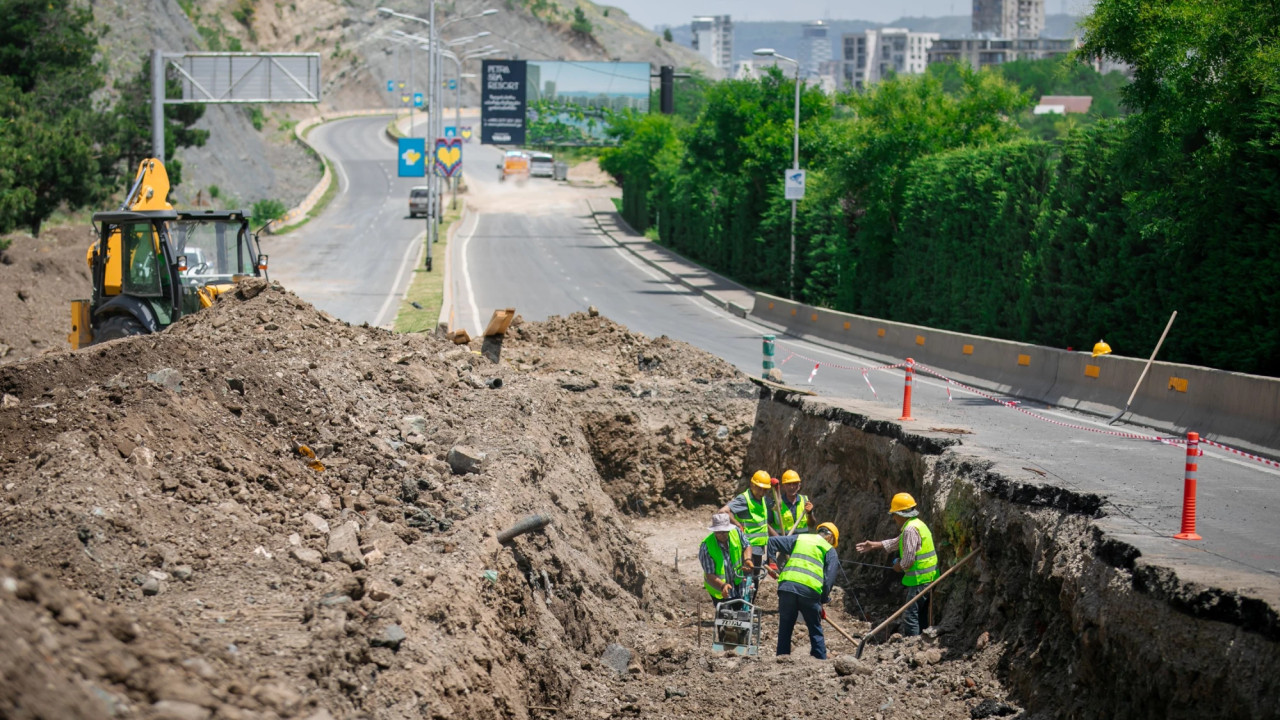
<point x="354" y="261"/>
<point x="535" y="247"/>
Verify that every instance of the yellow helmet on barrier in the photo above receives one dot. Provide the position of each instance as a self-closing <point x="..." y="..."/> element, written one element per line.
<point x="835" y="533"/>
<point x="1101" y="348"/>
<point x="762" y="480"/>
<point x="790" y="476"/>
<point x="901" y="501"/>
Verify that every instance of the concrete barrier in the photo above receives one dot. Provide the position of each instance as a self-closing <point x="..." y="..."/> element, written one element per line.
<point x="1232" y="408"/>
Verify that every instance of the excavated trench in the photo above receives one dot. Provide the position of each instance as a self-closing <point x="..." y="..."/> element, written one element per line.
<point x="1086" y="630"/>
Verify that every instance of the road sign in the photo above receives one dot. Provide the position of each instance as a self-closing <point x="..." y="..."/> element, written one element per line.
<point x="450" y="131"/>
<point x="793" y="184"/>
<point x="448" y="156"/>
<point x="466" y="133"/>
<point x="412" y="157"/>
<point x="453" y="84"/>
<point x="391" y="86"/>
<point x="417" y="100"/>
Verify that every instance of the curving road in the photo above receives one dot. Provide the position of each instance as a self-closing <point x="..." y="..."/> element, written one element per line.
<point x="354" y="261"/>
<point x="535" y="246"/>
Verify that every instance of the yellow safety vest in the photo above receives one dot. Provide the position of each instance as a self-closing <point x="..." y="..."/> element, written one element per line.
<point x="785" y="517"/>
<point x="807" y="561"/>
<point x="925" y="568"/>
<point x="756" y="523"/>
<point x="717" y="558"/>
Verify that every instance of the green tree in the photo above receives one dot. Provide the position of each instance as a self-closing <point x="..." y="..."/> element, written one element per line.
<point x="48" y="128"/>
<point x="666" y="35"/>
<point x="580" y="24"/>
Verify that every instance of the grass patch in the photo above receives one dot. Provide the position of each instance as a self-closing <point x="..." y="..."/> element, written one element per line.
<point x="617" y="204"/>
<point x="427" y="288"/>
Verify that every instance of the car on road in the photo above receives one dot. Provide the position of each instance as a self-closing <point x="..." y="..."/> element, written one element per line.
<point x="515" y="163"/>
<point x="419" y="201"/>
<point x="541" y="164"/>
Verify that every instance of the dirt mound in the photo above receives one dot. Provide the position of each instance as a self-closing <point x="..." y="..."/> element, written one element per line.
<point x="168" y="477"/>
<point x="39" y="277"/>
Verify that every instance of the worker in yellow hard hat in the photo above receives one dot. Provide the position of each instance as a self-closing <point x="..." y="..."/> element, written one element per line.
<point x="917" y="558"/>
<point x="724" y="558"/>
<point x="804" y="585"/>
<point x="750" y="511"/>
<point x="794" y="514"/>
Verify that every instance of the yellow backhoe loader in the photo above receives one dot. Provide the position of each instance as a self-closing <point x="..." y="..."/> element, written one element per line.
<point x="151" y="264"/>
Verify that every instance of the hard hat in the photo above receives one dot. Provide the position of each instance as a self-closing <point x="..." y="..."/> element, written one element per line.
<point x="901" y="501"/>
<point x="790" y="476"/>
<point x="762" y="480"/>
<point x="1101" y="348"/>
<point x="835" y="533"/>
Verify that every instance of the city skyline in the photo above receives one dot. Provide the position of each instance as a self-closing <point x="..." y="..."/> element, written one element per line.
<point x="652" y="13"/>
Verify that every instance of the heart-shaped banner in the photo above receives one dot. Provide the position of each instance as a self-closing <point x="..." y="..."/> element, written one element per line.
<point x="448" y="156"/>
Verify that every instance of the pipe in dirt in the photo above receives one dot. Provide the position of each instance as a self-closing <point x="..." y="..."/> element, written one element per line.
<point x="929" y="588"/>
<point x="527" y="524"/>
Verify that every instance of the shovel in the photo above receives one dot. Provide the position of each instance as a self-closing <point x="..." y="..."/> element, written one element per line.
<point x="840" y="630"/>
<point x="1112" y="420"/>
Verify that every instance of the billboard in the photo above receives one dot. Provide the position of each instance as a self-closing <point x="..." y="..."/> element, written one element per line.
<point x="502" y="102"/>
<point x="566" y="102"/>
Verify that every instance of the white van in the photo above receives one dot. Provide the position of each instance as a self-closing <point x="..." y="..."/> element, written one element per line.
<point x="541" y="164"/>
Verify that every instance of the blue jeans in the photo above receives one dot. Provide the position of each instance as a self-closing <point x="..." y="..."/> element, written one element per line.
<point x="919" y="609"/>
<point x="789" y="606"/>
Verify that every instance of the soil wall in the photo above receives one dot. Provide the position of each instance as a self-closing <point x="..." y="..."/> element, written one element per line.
<point x="1086" y="626"/>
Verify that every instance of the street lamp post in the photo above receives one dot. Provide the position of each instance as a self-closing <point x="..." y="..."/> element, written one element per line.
<point x="795" y="164"/>
<point x="435" y="125"/>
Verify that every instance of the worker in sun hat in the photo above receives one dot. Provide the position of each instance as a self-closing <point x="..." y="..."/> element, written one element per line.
<point x="804" y="585"/>
<point x="750" y="511"/>
<point x="724" y="558"/>
<point x="794" y="515"/>
<point x="917" y="558"/>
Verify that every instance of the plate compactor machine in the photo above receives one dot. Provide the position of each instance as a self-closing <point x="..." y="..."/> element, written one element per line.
<point x="736" y="626"/>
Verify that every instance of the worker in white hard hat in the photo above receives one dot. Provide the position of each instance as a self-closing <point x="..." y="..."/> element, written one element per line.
<point x="917" y="558"/>
<point x="750" y="511"/>
<point x="794" y="513"/>
<point x="804" y="585"/>
<point x="724" y="558"/>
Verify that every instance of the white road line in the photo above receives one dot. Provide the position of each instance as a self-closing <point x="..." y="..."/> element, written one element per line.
<point x="466" y="277"/>
<point x="406" y="267"/>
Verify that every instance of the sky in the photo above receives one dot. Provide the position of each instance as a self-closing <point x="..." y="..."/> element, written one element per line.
<point x="678" y="12"/>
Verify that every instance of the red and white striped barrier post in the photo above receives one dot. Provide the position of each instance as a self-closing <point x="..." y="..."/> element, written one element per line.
<point x="906" y="391"/>
<point x="1189" y="490"/>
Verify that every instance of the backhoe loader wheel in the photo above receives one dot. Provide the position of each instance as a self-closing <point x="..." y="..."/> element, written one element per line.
<point x="118" y="326"/>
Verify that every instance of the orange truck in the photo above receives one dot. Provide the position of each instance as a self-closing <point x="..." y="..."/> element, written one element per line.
<point x="515" y="163"/>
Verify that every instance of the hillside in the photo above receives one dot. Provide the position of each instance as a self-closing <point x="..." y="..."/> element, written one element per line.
<point x="357" y="59"/>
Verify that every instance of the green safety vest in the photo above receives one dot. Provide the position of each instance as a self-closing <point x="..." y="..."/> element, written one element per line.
<point x="785" y="517"/>
<point x="717" y="557"/>
<point x="925" y="569"/>
<point x="756" y="523"/>
<point x="806" y="563"/>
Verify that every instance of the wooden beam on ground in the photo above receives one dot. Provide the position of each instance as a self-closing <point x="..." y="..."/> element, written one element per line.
<point x="500" y="322"/>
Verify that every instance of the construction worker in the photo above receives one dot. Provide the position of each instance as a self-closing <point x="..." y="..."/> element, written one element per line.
<point x="750" y="511"/>
<point x="804" y="585"/>
<point x="917" y="559"/>
<point x="724" y="564"/>
<point x="794" y="515"/>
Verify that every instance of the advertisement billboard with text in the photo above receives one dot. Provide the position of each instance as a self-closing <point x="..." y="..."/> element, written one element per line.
<point x="502" y="102"/>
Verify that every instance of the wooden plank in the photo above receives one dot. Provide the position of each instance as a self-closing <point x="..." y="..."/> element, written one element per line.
<point x="500" y="322"/>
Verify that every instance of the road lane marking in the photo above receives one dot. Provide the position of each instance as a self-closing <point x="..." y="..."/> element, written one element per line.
<point x="406" y="266"/>
<point x="466" y="276"/>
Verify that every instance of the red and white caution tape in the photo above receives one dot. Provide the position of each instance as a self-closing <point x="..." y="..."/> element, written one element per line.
<point x="813" y="372"/>
<point x="1241" y="453"/>
<point x="1015" y="405"/>
<point x="868" y="379"/>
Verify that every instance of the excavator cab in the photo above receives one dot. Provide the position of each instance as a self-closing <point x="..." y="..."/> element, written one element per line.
<point x="151" y="264"/>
